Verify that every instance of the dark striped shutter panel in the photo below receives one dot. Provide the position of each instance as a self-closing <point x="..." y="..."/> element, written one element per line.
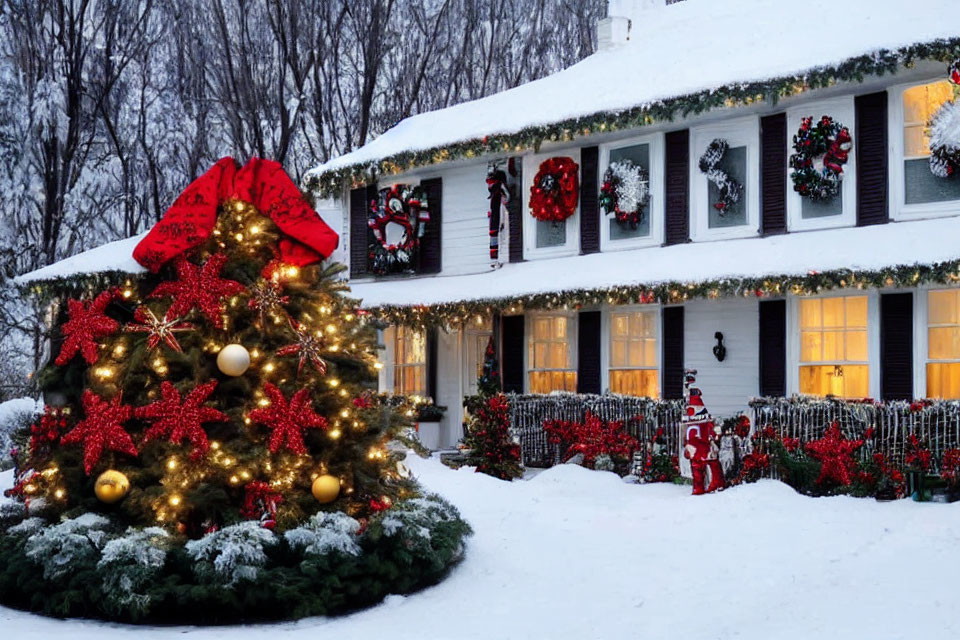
<point x="589" y="195"/>
<point x="773" y="174"/>
<point x="870" y="141"/>
<point x="773" y="348"/>
<point x="432" y="363"/>
<point x="359" y="247"/>
<point x="677" y="178"/>
<point x="896" y="346"/>
<point x="513" y="344"/>
<point x="430" y="255"/>
<point x="672" y="353"/>
<point x="515" y="215"/>
<point x="588" y="352"/>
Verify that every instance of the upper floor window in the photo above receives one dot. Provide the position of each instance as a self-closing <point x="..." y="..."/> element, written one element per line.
<point x="646" y="154"/>
<point x="550" y="356"/>
<point x="834" y="346"/>
<point x="410" y="362"/>
<point x="546" y="238"/>
<point x="634" y="357"/>
<point x="943" y="343"/>
<point x="715" y="216"/>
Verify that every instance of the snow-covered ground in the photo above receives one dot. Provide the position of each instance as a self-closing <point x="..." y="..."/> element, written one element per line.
<point x="577" y="554"/>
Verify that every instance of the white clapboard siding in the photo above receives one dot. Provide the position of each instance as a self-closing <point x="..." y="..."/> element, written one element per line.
<point x="466" y="241"/>
<point x="727" y="385"/>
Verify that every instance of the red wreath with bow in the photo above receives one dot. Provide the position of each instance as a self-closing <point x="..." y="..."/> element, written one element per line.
<point x="264" y="184"/>
<point x="555" y="190"/>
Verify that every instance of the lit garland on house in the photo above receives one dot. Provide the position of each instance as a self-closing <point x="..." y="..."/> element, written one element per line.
<point x="853" y="70"/>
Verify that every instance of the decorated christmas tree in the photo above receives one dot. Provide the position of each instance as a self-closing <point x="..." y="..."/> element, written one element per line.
<point x="219" y="413"/>
<point x="489" y="383"/>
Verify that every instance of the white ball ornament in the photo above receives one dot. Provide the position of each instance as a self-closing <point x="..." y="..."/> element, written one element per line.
<point x="233" y="360"/>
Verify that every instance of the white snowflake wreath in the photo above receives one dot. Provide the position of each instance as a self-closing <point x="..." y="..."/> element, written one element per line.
<point x="945" y="140"/>
<point x="625" y="192"/>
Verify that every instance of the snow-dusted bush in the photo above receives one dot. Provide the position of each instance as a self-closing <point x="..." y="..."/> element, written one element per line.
<point x="130" y="562"/>
<point x="67" y="546"/>
<point x="326" y="533"/>
<point x="27" y="527"/>
<point x="231" y="554"/>
<point x="414" y="520"/>
<point x="11" y="512"/>
<point x="15" y="415"/>
<point x="604" y="462"/>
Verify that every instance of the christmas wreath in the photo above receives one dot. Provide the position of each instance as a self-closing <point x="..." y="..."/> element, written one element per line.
<point x="403" y="205"/>
<point x="944" y="132"/>
<point x="820" y="151"/>
<point x="730" y="190"/>
<point x="556" y="190"/>
<point x="625" y="192"/>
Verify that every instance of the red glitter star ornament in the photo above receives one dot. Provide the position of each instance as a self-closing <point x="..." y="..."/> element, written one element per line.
<point x="835" y="454"/>
<point x="200" y="287"/>
<point x="86" y="324"/>
<point x="145" y="321"/>
<point x="265" y="296"/>
<point x="179" y="420"/>
<point x="102" y="429"/>
<point x="288" y="420"/>
<point x="309" y="346"/>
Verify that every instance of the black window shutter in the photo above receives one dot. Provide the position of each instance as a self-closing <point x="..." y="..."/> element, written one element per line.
<point x="896" y="346"/>
<point x="672" y="353"/>
<point x="432" y="363"/>
<point x="515" y="214"/>
<point x="677" y="178"/>
<point x="512" y="354"/>
<point x="430" y="255"/>
<point x="773" y="174"/>
<point x="359" y="247"/>
<point x="870" y="141"/>
<point x="589" y="196"/>
<point x="773" y="348"/>
<point x="588" y="352"/>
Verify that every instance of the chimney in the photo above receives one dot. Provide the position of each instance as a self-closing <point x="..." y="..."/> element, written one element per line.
<point x="615" y="28"/>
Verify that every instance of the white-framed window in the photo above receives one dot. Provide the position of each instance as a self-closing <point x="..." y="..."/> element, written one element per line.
<point x="835" y="339"/>
<point x="476" y="336"/>
<point x="548" y="239"/>
<point x="551" y="361"/>
<point x="942" y="357"/>
<point x="647" y="152"/>
<point x="632" y="355"/>
<point x="409" y="362"/>
<point x="915" y="191"/>
<point x="741" y="162"/>
<point x="804" y="213"/>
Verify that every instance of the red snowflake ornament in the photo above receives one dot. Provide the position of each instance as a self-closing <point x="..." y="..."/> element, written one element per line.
<point x="200" y="287"/>
<point x="835" y="454"/>
<point x="102" y="429"/>
<point x="145" y="321"/>
<point x="86" y="324"/>
<point x="179" y="420"/>
<point x="265" y="296"/>
<point x="309" y="346"/>
<point x="288" y="420"/>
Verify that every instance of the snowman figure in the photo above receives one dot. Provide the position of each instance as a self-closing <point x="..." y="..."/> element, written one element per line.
<point x="700" y="439"/>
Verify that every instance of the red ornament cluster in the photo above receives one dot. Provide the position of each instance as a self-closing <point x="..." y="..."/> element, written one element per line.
<point x="288" y="420"/>
<point x="835" y="454"/>
<point x="556" y="190"/>
<point x="493" y="450"/>
<point x="260" y="502"/>
<point x="86" y="323"/>
<point x="592" y="437"/>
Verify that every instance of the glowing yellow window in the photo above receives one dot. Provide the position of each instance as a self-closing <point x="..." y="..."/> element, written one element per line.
<point x="549" y="358"/>
<point x="920" y="104"/>
<point x="633" y="353"/>
<point x="833" y="347"/>
<point x="943" y="343"/>
<point x="410" y="362"/>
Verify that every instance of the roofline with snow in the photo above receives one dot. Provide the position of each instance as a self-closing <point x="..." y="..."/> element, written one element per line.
<point x="879" y="62"/>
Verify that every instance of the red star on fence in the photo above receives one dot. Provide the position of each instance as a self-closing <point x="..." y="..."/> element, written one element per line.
<point x="835" y="454"/>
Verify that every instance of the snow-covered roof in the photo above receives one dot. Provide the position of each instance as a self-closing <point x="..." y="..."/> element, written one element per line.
<point x="113" y="256"/>
<point x="678" y="50"/>
<point x="855" y="248"/>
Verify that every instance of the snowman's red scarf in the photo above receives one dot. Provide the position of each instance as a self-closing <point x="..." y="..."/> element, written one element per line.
<point x="262" y="183"/>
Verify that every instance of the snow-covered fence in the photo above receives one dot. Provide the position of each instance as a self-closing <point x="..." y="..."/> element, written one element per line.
<point x="641" y="418"/>
<point x="935" y="423"/>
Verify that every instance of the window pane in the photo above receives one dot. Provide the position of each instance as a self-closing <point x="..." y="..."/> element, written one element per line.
<point x="810" y="317"/>
<point x="848" y="381"/>
<point x="558" y="355"/>
<point x="559" y="328"/>
<point x="640" y="155"/>
<point x="920" y="185"/>
<point x="540" y="360"/>
<point x="618" y="353"/>
<point x="856" y="346"/>
<point x="550" y="234"/>
<point x="541" y="329"/>
<point x="915" y="142"/>
<point x="811" y="346"/>
<point x="618" y="325"/>
<point x="942" y="306"/>
<point x="651" y="351"/>
<point x="832" y="345"/>
<point x="943" y="343"/>
<point x="832" y="312"/>
<point x="943" y="380"/>
<point x="634" y="382"/>
<point x="915" y="104"/>
<point x="856" y="311"/>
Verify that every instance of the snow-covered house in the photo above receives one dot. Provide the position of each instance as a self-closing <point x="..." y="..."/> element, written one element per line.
<point x="846" y="288"/>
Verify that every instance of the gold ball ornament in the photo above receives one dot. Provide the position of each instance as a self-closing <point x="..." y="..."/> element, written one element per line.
<point x="326" y="488"/>
<point x="111" y="486"/>
<point x="233" y="360"/>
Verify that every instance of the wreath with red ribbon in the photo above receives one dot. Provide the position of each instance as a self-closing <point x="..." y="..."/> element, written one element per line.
<point x="555" y="190"/>
<point x="403" y="205"/>
<point x="821" y="150"/>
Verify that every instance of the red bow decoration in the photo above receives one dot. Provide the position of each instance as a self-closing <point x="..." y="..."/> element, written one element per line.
<point x="262" y="183"/>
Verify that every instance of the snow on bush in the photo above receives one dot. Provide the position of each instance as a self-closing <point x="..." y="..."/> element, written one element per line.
<point x="414" y="519"/>
<point x="66" y="546"/>
<point x="130" y="562"/>
<point x="231" y="554"/>
<point x="27" y="527"/>
<point x="326" y="533"/>
<point x="15" y="415"/>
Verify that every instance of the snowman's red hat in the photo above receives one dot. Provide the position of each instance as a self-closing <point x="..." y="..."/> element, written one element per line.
<point x="695" y="412"/>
